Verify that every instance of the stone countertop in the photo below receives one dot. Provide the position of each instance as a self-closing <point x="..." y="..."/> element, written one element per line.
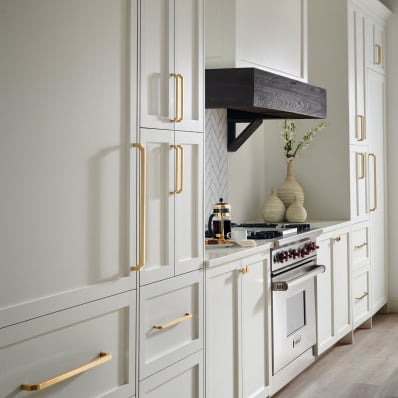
<point x="219" y="255"/>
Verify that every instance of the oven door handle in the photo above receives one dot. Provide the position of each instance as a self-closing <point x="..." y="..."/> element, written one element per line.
<point x="284" y="285"/>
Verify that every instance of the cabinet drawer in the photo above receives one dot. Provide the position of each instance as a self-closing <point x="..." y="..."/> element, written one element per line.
<point x="171" y="321"/>
<point x="360" y="244"/>
<point x="183" y="379"/>
<point x="361" y="290"/>
<point x="58" y="344"/>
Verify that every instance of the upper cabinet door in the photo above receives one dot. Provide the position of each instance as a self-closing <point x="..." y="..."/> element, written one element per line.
<point x="189" y="64"/>
<point x="358" y="135"/>
<point x="158" y="84"/>
<point x="172" y="64"/>
<point x="64" y="153"/>
<point x="376" y="47"/>
<point x="189" y="245"/>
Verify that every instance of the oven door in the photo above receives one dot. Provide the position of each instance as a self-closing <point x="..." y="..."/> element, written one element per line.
<point x="293" y="313"/>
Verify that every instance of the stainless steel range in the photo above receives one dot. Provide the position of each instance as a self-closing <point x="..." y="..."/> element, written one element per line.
<point x="293" y="271"/>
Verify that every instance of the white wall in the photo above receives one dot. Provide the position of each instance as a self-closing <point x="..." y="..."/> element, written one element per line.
<point x="392" y="146"/>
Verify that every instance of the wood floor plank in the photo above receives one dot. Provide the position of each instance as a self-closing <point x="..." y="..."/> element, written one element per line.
<point x="366" y="369"/>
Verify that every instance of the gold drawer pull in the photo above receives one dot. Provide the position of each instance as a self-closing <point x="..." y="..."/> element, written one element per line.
<point x="362" y="120"/>
<point x="337" y="239"/>
<point x="360" y="246"/>
<point x="361" y="297"/>
<point x="362" y="176"/>
<point x="103" y="357"/>
<point x="181" y="149"/>
<point x="244" y="270"/>
<point x="378" y="54"/>
<point x="166" y="325"/>
<point x="142" y="242"/>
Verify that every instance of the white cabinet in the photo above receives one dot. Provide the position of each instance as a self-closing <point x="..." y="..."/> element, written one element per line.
<point x="237" y="324"/>
<point x="269" y="35"/>
<point x="173" y="205"/>
<point x="64" y="149"/>
<point x="171" y="57"/>
<point x="333" y="288"/>
<point x="95" y="341"/>
<point x="376" y="122"/>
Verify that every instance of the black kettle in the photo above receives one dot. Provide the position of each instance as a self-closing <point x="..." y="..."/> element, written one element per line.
<point x="219" y="224"/>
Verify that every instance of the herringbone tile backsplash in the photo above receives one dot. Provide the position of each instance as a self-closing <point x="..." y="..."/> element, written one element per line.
<point x="216" y="160"/>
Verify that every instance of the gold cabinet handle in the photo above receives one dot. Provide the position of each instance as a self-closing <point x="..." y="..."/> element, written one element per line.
<point x="357" y="247"/>
<point x="166" y="325"/>
<point x="362" y="176"/>
<point x="142" y="228"/>
<point x="181" y="98"/>
<point x="176" y="97"/>
<point x="244" y="270"/>
<point x="337" y="239"/>
<point x="373" y="156"/>
<point x="362" y="120"/>
<point x="176" y="173"/>
<point x="361" y="297"/>
<point x="378" y="52"/>
<point x="181" y="188"/>
<point x="103" y="357"/>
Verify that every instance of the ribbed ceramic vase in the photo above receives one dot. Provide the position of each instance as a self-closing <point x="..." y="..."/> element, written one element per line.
<point x="296" y="212"/>
<point x="290" y="189"/>
<point x="273" y="209"/>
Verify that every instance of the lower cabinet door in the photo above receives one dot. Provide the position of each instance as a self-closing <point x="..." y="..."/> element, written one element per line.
<point x="360" y="291"/>
<point x="85" y="351"/>
<point x="171" y="321"/>
<point x="184" y="379"/>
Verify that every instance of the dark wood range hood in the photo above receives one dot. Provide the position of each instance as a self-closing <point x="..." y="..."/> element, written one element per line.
<point x="252" y="95"/>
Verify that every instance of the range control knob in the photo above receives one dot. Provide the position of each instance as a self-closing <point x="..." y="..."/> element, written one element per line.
<point x="283" y="256"/>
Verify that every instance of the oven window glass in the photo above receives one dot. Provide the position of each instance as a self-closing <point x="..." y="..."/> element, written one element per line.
<point x="295" y="312"/>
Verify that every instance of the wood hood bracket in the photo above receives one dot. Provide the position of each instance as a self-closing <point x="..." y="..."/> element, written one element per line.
<point x="235" y="117"/>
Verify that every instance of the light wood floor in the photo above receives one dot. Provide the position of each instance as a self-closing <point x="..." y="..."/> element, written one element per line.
<point x="366" y="369"/>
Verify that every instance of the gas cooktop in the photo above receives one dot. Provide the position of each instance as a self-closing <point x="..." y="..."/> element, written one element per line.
<point x="261" y="230"/>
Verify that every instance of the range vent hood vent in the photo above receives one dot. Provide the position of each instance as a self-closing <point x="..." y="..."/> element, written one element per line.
<point x="252" y="95"/>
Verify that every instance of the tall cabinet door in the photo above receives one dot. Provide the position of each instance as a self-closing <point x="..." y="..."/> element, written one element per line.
<point x="375" y="110"/>
<point x="161" y="156"/>
<point x="189" y="247"/>
<point x="189" y="63"/>
<point x="64" y="145"/>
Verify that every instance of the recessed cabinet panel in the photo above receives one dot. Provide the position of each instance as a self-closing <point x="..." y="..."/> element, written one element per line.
<point x="182" y="380"/>
<point x="33" y="352"/>
<point x="64" y="153"/>
<point x="171" y="319"/>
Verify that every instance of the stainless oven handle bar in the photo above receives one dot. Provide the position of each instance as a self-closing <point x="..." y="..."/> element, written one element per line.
<point x="282" y="286"/>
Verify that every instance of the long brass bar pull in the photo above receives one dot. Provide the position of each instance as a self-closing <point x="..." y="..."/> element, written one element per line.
<point x="182" y="96"/>
<point x="372" y="155"/>
<point x="362" y="176"/>
<point x="176" y="98"/>
<point x="181" y="188"/>
<point x="378" y="52"/>
<point x="362" y="120"/>
<point x="166" y="325"/>
<point x="142" y="229"/>
<point x="103" y="357"/>
<point x="176" y="168"/>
